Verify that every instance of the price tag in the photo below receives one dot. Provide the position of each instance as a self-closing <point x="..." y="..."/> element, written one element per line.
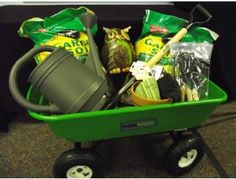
<point x="156" y="71"/>
<point x="139" y="70"/>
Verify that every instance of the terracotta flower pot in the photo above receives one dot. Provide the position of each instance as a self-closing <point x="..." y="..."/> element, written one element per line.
<point x="140" y="101"/>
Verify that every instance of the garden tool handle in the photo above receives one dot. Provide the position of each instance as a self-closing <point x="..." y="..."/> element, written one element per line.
<point x="203" y="12"/>
<point x="164" y="50"/>
<point x="13" y="78"/>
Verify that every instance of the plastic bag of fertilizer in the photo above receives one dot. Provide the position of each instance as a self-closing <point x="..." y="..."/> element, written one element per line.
<point x="158" y="28"/>
<point x="63" y="29"/>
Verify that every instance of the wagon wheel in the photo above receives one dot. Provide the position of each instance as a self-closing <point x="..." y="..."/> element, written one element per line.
<point x="78" y="164"/>
<point x="183" y="155"/>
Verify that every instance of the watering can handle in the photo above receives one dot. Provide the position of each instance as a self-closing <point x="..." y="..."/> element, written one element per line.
<point x="13" y="78"/>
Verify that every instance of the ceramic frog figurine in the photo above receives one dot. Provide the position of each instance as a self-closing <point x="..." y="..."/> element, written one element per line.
<point x="117" y="52"/>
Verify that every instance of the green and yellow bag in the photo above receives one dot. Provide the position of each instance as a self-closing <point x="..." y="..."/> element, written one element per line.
<point x="156" y="26"/>
<point x="63" y="29"/>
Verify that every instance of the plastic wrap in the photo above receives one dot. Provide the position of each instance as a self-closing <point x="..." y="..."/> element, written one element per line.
<point x="192" y="68"/>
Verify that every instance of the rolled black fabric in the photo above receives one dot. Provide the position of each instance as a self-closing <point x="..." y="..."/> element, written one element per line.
<point x="169" y="88"/>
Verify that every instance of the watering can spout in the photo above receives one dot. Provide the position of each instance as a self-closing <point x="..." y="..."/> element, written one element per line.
<point x="89" y="20"/>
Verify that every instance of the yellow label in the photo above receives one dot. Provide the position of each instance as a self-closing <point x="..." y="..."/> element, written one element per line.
<point x="79" y="47"/>
<point x="149" y="46"/>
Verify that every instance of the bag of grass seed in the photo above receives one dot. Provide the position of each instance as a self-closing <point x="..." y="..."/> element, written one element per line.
<point x="157" y="28"/>
<point x="63" y="29"/>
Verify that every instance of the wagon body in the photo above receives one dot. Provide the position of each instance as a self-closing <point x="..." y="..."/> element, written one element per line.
<point x="130" y="121"/>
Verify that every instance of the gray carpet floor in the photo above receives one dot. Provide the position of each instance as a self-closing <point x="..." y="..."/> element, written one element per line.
<point x="29" y="149"/>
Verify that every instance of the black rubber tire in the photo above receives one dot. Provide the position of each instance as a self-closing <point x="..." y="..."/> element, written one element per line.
<point x="75" y="157"/>
<point x="178" y="149"/>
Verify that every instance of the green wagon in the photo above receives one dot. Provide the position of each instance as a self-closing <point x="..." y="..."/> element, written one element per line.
<point x="91" y="127"/>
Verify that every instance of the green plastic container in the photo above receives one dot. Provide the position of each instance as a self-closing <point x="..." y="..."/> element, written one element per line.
<point x="129" y="121"/>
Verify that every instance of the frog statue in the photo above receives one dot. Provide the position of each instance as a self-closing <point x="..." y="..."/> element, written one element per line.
<point x="117" y="52"/>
